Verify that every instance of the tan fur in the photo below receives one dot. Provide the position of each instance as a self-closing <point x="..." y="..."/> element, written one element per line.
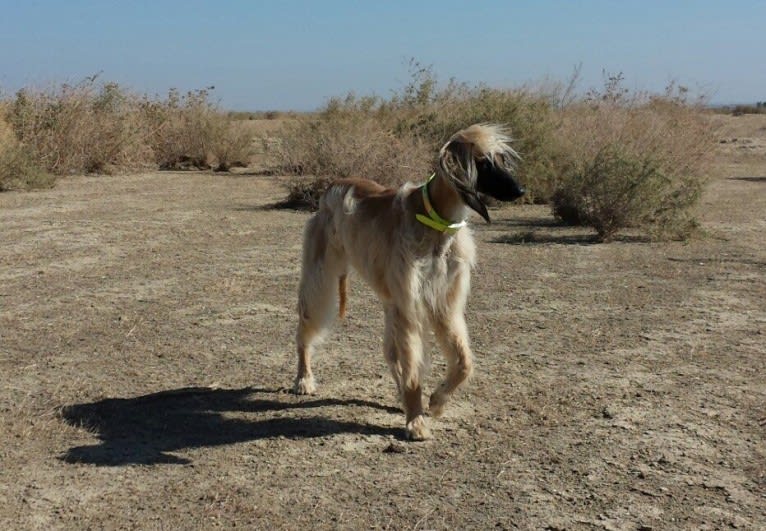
<point x="487" y="139"/>
<point x="421" y="276"/>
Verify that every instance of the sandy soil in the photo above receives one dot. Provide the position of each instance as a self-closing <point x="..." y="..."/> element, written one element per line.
<point x="146" y="327"/>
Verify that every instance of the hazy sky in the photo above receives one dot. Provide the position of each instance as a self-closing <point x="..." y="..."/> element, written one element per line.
<point x="295" y="54"/>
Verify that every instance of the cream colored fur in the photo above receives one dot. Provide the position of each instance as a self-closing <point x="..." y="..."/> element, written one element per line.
<point x="421" y="276"/>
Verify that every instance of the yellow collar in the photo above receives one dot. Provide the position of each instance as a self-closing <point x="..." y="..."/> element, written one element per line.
<point x="434" y="220"/>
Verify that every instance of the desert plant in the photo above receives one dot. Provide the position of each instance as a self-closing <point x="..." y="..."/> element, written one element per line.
<point x="18" y="169"/>
<point x="80" y="128"/>
<point x="394" y="140"/>
<point x="618" y="189"/>
<point x="91" y="127"/>
<point x="529" y="117"/>
<point x="230" y="145"/>
<point x="304" y="194"/>
<point x="190" y="131"/>
<point x="632" y="160"/>
<point x="758" y="108"/>
<point x="348" y="137"/>
<point x="433" y="114"/>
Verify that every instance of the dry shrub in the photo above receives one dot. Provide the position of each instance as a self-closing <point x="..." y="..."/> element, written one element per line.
<point x="260" y="115"/>
<point x="395" y="140"/>
<point x="530" y="119"/>
<point x="189" y="131"/>
<point x="619" y="189"/>
<point x="632" y="161"/>
<point x="434" y="115"/>
<point x="611" y="159"/>
<point x="348" y="138"/>
<point x="102" y="128"/>
<point x="80" y="128"/>
<point x="739" y="110"/>
<point x="18" y="170"/>
<point x="304" y="194"/>
<point x="351" y="137"/>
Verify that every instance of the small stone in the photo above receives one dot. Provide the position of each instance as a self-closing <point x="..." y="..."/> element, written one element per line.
<point x="394" y="449"/>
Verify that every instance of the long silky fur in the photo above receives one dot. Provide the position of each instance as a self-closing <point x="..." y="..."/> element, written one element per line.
<point x="421" y="276"/>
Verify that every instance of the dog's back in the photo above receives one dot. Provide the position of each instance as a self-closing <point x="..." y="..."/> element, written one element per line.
<point x="363" y="220"/>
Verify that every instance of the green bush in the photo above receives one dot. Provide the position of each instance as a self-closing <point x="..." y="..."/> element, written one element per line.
<point x="618" y="189"/>
<point x="18" y="170"/>
<point x="627" y="161"/>
<point x="611" y="159"/>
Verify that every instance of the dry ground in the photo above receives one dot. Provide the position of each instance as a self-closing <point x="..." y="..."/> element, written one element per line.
<point x="146" y="327"/>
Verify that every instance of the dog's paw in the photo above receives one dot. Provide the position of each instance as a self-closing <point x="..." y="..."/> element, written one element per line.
<point x="305" y="386"/>
<point x="417" y="429"/>
<point x="436" y="404"/>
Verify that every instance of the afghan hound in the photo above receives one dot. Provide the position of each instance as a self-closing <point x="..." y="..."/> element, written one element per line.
<point x="412" y="246"/>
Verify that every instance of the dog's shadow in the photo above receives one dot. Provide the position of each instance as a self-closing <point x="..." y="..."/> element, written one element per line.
<point x="143" y="429"/>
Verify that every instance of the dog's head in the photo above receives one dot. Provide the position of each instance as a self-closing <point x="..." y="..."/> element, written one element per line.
<point x="479" y="159"/>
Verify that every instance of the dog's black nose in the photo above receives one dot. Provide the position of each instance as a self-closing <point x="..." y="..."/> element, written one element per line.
<point x="516" y="192"/>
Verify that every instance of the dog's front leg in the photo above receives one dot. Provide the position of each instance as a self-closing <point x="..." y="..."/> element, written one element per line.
<point x="452" y="335"/>
<point x="407" y="368"/>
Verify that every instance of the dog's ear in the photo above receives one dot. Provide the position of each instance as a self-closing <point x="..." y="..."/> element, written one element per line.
<point x="457" y="162"/>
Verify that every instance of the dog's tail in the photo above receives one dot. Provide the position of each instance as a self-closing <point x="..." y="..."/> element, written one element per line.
<point x="342" y="284"/>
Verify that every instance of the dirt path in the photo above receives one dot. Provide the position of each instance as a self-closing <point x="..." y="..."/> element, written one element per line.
<point x="146" y="327"/>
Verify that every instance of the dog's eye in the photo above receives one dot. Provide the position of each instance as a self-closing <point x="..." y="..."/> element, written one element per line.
<point x="484" y="163"/>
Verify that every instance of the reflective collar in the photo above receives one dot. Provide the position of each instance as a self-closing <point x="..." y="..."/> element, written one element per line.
<point x="434" y="220"/>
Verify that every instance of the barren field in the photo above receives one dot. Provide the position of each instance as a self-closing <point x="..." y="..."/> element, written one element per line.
<point x="146" y="350"/>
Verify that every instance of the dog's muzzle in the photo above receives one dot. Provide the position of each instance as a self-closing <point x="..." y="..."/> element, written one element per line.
<point x="497" y="182"/>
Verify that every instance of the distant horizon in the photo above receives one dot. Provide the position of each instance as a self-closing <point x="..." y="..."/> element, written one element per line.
<point x="297" y="54"/>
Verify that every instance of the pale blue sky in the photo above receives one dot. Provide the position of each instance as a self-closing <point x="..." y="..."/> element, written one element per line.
<point x="295" y="54"/>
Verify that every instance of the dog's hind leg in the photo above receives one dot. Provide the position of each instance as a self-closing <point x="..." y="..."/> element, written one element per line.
<point x="307" y="338"/>
<point x="389" y="350"/>
<point x="323" y="268"/>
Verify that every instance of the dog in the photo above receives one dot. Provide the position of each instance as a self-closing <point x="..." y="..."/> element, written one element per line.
<point x="412" y="246"/>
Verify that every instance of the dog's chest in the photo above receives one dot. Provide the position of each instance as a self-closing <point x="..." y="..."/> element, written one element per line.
<point x="436" y="275"/>
<point x="436" y="269"/>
